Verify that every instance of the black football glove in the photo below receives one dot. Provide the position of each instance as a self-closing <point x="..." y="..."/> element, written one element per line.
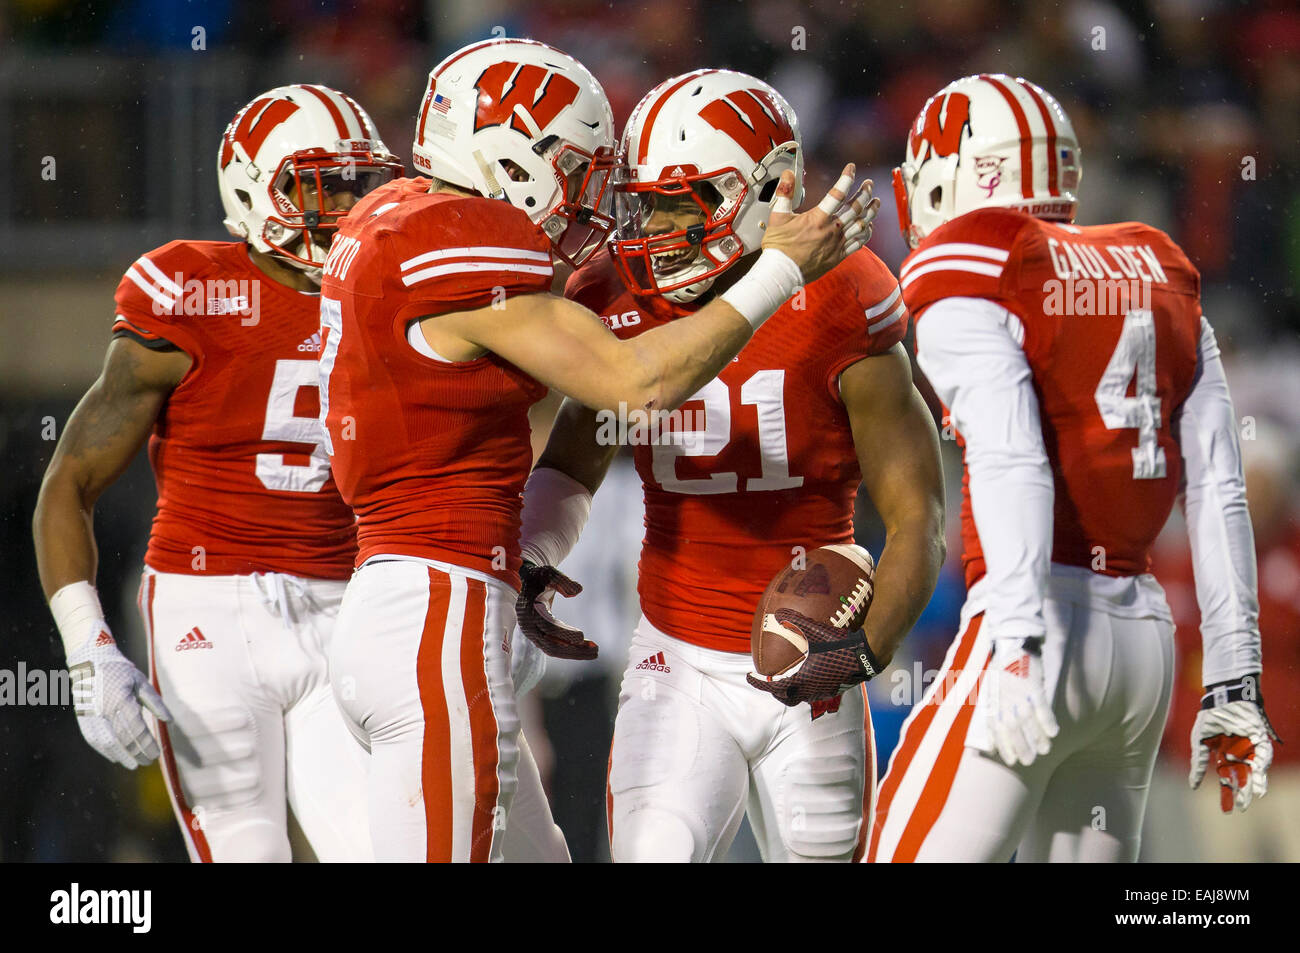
<point x="538" y="586"/>
<point x="837" y="660"/>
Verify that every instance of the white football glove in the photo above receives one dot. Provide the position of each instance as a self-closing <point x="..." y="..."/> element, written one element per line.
<point x="1014" y="700"/>
<point x="1235" y="732"/>
<point x="107" y="692"/>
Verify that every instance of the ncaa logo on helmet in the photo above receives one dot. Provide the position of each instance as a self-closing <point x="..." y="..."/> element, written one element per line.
<point x="505" y="89"/>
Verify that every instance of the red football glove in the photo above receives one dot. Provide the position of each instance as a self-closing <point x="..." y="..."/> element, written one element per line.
<point x="1234" y="734"/>
<point x="837" y="660"/>
<point x="538" y="586"/>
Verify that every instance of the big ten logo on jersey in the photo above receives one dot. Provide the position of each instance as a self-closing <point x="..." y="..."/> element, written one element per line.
<point x="342" y="253"/>
<point x="1100" y="280"/>
<point x="213" y="297"/>
<point x="628" y="319"/>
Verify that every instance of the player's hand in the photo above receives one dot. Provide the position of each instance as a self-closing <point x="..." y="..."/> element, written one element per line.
<point x="1234" y="733"/>
<point x="837" y="660"/>
<point x="1015" y="703"/>
<point x="819" y="239"/>
<point x="538" y="586"/>
<point x="107" y="694"/>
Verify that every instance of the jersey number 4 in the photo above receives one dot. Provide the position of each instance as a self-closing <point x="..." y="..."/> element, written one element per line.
<point x="766" y="391"/>
<point x="1135" y="355"/>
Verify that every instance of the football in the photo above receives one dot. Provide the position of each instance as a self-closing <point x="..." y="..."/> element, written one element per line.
<point x="833" y="584"/>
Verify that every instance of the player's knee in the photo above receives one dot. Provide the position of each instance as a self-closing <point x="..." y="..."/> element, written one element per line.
<point x="823" y="819"/>
<point x="652" y="835"/>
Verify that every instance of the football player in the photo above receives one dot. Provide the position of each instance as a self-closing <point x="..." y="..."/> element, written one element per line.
<point x="213" y="359"/>
<point x="1087" y="391"/>
<point x="766" y="467"/>
<point x="439" y="333"/>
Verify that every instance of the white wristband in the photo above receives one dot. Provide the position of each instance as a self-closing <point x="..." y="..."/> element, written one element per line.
<point x="78" y="614"/>
<point x="556" y="508"/>
<point x="767" y="285"/>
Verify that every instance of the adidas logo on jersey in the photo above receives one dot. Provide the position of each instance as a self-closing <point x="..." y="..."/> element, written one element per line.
<point x="193" y="639"/>
<point x="312" y="344"/>
<point x="654" y="663"/>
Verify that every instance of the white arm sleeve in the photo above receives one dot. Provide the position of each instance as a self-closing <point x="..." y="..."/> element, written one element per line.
<point x="968" y="348"/>
<point x="1218" y="523"/>
<point x="556" y="508"/>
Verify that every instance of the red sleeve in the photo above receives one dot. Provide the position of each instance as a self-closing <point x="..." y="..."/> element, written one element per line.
<point x="866" y="310"/>
<point x="150" y="298"/>
<point x="965" y="258"/>
<point x="465" y="253"/>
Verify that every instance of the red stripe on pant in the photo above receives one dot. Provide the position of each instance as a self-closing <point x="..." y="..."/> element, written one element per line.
<point x="191" y="828"/>
<point x="609" y="799"/>
<point x="869" y="787"/>
<point x="435" y="765"/>
<point x="482" y="723"/>
<point x="916" y="731"/>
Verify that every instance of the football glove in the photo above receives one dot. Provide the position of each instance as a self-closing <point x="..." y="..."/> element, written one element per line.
<point x="537" y="589"/>
<point x="837" y="660"/>
<point x="1014" y="701"/>
<point x="1232" y="731"/>
<point x="107" y="692"/>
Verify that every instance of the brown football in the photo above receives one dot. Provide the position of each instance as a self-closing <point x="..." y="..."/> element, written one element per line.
<point x="833" y="584"/>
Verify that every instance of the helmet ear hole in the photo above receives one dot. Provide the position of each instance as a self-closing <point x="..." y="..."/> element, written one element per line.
<point x="244" y="198"/>
<point x="768" y="190"/>
<point x="514" y="171"/>
<point x="936" y="197"/>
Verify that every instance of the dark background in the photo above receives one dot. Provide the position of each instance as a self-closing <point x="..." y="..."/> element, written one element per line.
<point x="1188" y="112"/>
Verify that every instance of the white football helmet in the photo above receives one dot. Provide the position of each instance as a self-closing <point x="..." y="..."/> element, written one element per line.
<point x="987" y="141"/>
<point x="722" y="138"/>
<point x="521" y="121"/>
<point x="283" y="138"/>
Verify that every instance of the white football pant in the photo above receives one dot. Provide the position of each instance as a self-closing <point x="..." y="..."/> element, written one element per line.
<point x="241" y="663"/>
<point x="948" y="797"/>
<point x="421" y="668"/>
<point x="696" y="747"/>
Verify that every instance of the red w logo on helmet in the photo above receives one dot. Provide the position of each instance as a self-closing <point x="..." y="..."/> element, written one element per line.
<point x="540" y="92"/>
<point x="251" y="127"/>
<point x="942" y="137"/>
<point x="753" y="118"/>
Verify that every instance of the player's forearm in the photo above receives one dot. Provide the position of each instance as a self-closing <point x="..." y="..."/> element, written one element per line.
<point x="1011" y="500"/>
<point x="575" y="447"/>
<point x="905" y="578"/>
<point x="63" y="531"/>
<point x="1218" y="524"/>
<point x="669" y="364"/>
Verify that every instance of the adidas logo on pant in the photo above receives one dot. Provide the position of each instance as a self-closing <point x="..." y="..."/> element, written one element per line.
<point x="654" y="663"/>
<point x="193" y="639"/>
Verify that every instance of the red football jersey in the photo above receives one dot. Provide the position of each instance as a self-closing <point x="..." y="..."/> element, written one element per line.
<point x="431" y="455"/>
<point x="1111" y="318"/>
<point x="243" y="481"/>
<point x="761" y="460"/>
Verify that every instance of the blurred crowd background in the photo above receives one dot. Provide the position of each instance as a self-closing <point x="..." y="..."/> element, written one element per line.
<point x="1188" y="112"/>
